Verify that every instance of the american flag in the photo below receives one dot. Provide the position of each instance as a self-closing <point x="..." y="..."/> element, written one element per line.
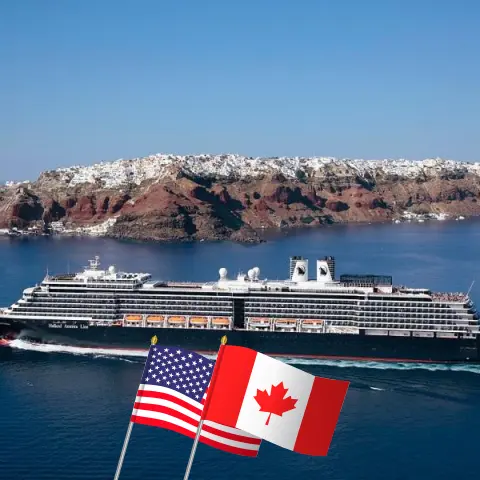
<point x="172" y="394"/>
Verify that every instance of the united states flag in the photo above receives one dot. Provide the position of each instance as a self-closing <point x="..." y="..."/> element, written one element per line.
<point x="172" y="394"/>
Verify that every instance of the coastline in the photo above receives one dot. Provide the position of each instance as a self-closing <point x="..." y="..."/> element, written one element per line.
<point x="262" y="235"/>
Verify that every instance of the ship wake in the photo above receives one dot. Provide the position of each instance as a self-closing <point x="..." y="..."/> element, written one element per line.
<point x="135" y="356"/>
<point x="121" y="354"/>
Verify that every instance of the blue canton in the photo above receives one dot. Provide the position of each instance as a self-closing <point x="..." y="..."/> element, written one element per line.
<point x="178" y="369"/>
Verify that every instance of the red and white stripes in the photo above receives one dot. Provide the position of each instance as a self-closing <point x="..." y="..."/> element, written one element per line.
<point x="163" y="407"/>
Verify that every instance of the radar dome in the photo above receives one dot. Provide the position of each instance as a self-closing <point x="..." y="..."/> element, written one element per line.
<point x="223" y="273"/>
<point x="256" y="272"/>
<point x="111" y="269"/>
<point x="251" y="274"/>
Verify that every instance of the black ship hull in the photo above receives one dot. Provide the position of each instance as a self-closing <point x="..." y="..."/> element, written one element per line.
<point x="321" y="345"/>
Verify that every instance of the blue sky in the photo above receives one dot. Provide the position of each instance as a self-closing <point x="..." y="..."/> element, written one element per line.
<point x="92" y="80"/>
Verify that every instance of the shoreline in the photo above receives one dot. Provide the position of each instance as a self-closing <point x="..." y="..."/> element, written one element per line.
<point x="265" y="235"/>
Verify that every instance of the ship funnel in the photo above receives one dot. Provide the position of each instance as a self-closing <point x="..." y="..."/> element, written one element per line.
<point x="300" y="271"/>
<point x="324" y="274"/>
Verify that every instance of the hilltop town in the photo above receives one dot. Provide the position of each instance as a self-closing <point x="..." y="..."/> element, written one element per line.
<point x="213" y="197"/>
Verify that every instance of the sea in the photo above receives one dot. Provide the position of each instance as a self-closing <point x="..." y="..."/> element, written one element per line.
<point x="64" y="411"/>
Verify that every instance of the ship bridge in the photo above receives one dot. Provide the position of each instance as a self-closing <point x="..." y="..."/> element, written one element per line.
<point x="93" y="276"/>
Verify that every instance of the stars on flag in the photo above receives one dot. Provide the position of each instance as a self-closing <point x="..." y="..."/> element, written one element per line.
<point x="186" y="372"/>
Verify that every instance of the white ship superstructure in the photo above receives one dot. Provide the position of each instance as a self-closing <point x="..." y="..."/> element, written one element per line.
<point x="353" y="304"/>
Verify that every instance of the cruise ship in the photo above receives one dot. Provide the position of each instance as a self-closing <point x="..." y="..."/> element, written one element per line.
<point x="352" y="317"/>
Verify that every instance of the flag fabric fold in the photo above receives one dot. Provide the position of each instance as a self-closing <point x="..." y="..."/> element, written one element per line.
<point x="275" y="401"/>
<point x="172" y="396"/>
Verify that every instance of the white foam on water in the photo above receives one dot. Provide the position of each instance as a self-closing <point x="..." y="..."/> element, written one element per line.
<point x="377" y="389"/>
<point x="123" y="354"/>
<point x="432" y="367"/>
<point x="95" y="352"/>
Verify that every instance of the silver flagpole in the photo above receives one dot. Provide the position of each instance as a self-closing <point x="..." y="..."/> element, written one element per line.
<point x="223" y="341"/>
<point x="124" y="451"/>
<point x="130" y="426"/>
<point x="192" y="453"/>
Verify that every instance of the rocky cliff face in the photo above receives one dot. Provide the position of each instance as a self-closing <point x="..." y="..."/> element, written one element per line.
<point x="165" y="197"/>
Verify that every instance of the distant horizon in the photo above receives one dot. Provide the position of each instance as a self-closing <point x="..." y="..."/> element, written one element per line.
<point x="90" y="82"/>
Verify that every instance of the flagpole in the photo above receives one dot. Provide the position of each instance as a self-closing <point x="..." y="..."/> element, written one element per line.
<point x="124" y="451"/>
<point x="223" y="341"/>
<point x="129" y="429"/>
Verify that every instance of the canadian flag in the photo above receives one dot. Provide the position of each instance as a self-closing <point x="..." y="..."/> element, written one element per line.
<point x="274" y="401"/>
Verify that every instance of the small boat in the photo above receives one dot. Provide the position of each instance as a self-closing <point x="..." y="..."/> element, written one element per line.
<point x="285" y="323"/>
<point x="220" y="321"/>
<point x="177" y="320"/>
<point x="133" y="318"/>
<point x="155" y="318"/>
<point x="313" y="322"/>
<point x="259" y="322"/>
<point x="198" y="320"/>
<point x="286" y="320"/>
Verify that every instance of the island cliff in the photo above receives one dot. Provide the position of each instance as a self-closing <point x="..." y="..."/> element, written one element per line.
<point x="215" y="197"/>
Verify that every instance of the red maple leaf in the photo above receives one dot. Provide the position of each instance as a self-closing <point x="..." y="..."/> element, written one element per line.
<point x="275" y="401"/>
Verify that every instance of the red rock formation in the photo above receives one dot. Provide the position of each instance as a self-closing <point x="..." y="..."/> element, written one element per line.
<point x="187" y="207"/>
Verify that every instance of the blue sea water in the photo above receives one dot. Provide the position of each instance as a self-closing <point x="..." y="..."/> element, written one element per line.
<point x="64" y="411"/>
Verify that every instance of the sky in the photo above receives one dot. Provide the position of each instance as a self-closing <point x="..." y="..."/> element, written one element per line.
<point x="96" y="80"/>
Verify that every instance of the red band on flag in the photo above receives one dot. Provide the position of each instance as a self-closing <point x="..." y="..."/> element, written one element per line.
<point x="144" y="395"/>
<point x="230" y="388"/>
<point x="321" y="416"/>
<point x="188" y="433"/>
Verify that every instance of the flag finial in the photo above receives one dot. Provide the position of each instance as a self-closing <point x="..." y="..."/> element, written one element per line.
<point x="154" y="340"/>
<point x="223" y="340"/>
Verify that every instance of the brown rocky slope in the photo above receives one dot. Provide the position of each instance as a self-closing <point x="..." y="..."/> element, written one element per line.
<point x="178" y="204"/>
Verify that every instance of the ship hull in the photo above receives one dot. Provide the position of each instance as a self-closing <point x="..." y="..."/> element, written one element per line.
<point x="294" y="344"/>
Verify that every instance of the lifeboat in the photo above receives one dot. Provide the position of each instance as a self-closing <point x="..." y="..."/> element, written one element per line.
<point x="313" y="322"/>
<point x="259" y="321"/>
<point x="177" y="320"/>
<point x="198" y="321"/>
<point x="220" y="321"/>
<point x="133" y="318"/>
<point x="155" y="318"/>
<point x="285" y="322"/>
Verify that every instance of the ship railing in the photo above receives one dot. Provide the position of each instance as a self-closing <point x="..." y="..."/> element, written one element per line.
<point x="452" y="297"/>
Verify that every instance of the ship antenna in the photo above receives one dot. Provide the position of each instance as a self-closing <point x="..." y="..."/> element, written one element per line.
<point x="470" y="289"/>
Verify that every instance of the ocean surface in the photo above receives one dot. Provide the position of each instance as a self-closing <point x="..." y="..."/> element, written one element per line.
<point x="64" y="411"/>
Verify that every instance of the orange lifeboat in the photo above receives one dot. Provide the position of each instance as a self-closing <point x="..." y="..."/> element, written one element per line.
<point x="133" y="318"/>
<point x="220" y="321"/>
<point x="155" y="318"/>
<point x="177" y="320"/>
<point x="312" y="322"/>
<point x="288" y="321"/>
<point x="259" y="321"/>
<point x="198" y="320"/>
